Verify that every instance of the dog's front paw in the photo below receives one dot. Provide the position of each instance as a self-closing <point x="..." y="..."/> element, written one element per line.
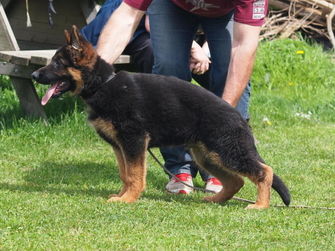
<point x="113" y="195"/>
<point x="124" y="198"/>
<point x="115" y="199"/>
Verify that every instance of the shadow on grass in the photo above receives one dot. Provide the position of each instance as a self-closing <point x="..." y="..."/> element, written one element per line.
<point x="89" y="179"/>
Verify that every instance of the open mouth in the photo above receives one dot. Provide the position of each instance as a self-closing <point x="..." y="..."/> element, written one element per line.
<point x="56" y="90"/>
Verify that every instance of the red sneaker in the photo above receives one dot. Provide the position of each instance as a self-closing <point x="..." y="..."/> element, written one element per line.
<point x="214" y="185"/>
<point x="174" y="186"/>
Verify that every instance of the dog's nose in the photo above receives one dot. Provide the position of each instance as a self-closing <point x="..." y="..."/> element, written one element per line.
<point x="35" y="75"/>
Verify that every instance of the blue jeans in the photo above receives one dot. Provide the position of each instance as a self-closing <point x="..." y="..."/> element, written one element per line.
<point x="172" y="31"/>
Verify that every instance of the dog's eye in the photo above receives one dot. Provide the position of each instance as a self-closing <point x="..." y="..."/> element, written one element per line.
<point x="59" y="62"/>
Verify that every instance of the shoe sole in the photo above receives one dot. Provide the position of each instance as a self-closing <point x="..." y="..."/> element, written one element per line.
<point x="180" y="192"/>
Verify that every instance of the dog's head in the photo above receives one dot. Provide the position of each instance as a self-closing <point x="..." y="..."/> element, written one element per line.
<point x="68" y="66"/>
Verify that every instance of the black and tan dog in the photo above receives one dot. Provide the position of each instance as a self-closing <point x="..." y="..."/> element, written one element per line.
<point x="134" y="112"/>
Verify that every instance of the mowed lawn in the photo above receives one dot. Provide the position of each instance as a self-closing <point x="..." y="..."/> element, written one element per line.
<point x="55" y="179"/>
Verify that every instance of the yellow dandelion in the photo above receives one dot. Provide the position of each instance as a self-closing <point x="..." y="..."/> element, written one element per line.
<point x="267" y="121"/>
<point x="291" y="83"/>
<point x="300" y="52"/>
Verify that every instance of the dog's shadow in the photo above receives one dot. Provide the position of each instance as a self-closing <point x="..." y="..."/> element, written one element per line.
<point x="89" y="179"/>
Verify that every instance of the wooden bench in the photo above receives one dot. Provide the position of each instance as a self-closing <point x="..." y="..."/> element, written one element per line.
<point x="20" y="64"/>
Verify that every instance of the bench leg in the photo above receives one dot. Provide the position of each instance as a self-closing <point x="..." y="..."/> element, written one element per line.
<point x="29" y="100"/>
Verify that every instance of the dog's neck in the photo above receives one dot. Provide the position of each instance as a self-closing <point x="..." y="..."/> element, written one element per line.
<point x="96" y="79"/>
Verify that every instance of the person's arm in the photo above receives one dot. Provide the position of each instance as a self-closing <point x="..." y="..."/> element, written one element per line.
<point x="199" y="62"/>
<point x="118" y="32"/>
<point x="245" y="43"/>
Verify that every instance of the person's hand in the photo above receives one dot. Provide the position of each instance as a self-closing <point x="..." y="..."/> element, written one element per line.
<point x="199" y="62"/>
<point x="146" y="23"/>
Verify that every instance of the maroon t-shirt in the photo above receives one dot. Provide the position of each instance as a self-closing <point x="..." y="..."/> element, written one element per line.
<point x="250" y="12"/>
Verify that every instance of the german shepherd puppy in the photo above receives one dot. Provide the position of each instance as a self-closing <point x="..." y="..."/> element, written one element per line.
<point x="134" y="112"/>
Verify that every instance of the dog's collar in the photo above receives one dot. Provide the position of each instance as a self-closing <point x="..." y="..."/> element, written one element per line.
<point x="92" y="92"/>
<point x="109" y="78"/>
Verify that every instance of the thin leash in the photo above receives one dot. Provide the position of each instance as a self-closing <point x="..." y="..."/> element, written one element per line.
<point x="234" y="198"/>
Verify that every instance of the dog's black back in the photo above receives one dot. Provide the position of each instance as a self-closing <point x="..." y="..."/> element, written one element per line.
<point x="168" y="109"/>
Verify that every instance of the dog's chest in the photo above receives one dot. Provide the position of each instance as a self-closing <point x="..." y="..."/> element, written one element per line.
<point x="104" y="128"/>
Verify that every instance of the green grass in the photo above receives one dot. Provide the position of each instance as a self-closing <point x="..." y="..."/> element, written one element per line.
<point x="55" y="179"/>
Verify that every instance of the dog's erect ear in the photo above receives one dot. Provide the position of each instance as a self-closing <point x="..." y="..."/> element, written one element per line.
<point x="68" y="37"/>
<point x="77" y="39"/>
<point x="81" y="51"/>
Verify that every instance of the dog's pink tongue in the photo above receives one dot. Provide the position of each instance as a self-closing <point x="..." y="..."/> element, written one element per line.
<point x="49" y="93"/>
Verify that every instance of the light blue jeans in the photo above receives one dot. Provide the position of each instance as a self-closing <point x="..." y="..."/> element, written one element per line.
<point x="172" y="31"/>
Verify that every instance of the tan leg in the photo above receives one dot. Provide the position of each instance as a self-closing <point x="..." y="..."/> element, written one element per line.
<point x="135" y="181"/>
<point x="134" y="177"/>
<point x="120" y="161"/>
<point x="231" y="183"/>
<point x="263" y="188"/>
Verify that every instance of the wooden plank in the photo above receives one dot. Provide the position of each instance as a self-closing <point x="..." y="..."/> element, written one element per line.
<point x="4" y="43"/>
<point x="123" y="59"/>
<point x="42" y="57"/>
<point x="39" y="57"/>
<point x="20" y="60"/>
<point x="17" y="70"/>
<point x="29" y="99"/>
<point x="11" y="43"/>
<point x="29" y="53"/>
<point x="16" y="57"/>
<point x="5" y="56"/>
<point x="40" y="60"/>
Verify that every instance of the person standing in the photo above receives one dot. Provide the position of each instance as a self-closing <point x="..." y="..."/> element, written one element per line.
<point x="231" y="28"/>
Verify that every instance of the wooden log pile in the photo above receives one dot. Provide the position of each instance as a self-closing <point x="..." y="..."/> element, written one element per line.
<point x="287" y="17"/>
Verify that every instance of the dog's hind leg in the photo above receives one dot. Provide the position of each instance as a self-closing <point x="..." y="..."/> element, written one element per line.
<point x="122" y="171"/>
<point x="231" y="183"/>
<point x="263" y="183"/>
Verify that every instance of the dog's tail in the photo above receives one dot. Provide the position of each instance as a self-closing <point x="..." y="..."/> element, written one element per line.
<point x="279" y="186"/>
